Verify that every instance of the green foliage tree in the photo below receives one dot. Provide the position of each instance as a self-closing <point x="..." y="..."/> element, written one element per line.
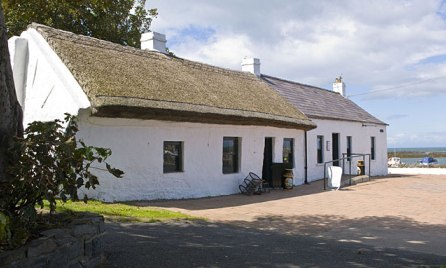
<point x="10" y="110"/>
<point x="10" y="120"/>
<point x="118" y="21"/>
<point x="49" y="163"/>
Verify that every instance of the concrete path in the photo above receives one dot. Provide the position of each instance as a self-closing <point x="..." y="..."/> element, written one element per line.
<point x="388" y="221"/>
<point x="415" y="171"/>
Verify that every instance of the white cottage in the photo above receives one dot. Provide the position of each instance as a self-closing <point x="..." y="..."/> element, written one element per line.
<point x="178" y="128"/>
<point x="344" y="130"/>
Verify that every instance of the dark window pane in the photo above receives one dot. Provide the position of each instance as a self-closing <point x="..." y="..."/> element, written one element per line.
<point x="230" y="155"/>
<point x="349" y="147"/>
<point x="288" y="157"/>
<point x="320" y="147"/>
<point x="372" y="149"/>
<point x="173" y="158"/>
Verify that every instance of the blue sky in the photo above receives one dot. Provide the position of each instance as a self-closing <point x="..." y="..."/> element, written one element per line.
<point x="391" y="54"/>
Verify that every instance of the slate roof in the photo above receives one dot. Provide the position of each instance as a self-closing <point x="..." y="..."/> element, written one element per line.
<point x="320" y="103"/>
<point x="122" y="81"/>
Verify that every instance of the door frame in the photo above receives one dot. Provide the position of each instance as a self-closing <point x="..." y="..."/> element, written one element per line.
<point x="267" y="160"/>
<point x="335" y="148"/>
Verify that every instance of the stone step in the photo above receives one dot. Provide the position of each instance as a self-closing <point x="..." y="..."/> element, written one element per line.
<point x="345" y="181"/>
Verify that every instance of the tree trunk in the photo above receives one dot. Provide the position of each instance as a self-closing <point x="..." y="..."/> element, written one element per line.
<point x="10" y="110"/>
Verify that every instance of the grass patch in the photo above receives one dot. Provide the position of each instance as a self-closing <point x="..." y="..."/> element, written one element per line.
<point x="122" y="212"/>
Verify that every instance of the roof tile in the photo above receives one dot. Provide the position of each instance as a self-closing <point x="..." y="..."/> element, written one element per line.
<point x="320" y="103"/>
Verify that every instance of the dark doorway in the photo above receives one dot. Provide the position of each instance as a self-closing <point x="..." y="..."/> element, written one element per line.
<point x="335" y="148"/>
<point x="267" y="160"/>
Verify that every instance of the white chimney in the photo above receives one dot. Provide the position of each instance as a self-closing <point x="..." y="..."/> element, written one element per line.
<point x="154" y="41"/>
<point x="251" y="65"/>
<point x="339" y="86"/>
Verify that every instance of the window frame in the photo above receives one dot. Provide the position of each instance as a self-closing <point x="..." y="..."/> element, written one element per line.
<point x="290" y="155"/>
<point x="349" y="147"/>
<point x="372" y="148"/>
<point x="235" y="161"/>
<point x="179" y="159"/>
<point x="320" y="149"/>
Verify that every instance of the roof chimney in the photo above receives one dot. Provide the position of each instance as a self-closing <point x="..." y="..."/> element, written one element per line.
<point x="251" y="65"/>
<point x="154" y="41"/>
<point x="339" y="86"/>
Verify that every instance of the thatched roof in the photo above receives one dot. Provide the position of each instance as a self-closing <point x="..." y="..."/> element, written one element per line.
<point x="122" y="81"/>
<point x="319" y="103"/>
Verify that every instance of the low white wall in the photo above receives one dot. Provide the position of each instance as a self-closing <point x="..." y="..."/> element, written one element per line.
<point x="414" y="171"/>
<point x="137" y="147"/>
<point x="361" y="144"/>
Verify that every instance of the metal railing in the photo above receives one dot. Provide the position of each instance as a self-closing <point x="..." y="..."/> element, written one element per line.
<point x="349" y="160"/>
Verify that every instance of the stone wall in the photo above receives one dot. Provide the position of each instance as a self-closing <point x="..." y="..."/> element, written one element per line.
<point x="76" y="245"/>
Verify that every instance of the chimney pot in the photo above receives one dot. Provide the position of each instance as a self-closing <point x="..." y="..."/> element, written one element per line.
<point x="251" y="65"/>
<point x="153" y="41"/>
<point x="339" y="86"/>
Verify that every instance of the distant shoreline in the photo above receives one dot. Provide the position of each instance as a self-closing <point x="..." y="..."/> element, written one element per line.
<point x="415" y="154"/>
<point x="410" y="157"/>
<point x="418" y="166"/>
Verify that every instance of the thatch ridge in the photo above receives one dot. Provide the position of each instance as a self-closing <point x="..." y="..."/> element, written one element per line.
<point x="108" y="71"/>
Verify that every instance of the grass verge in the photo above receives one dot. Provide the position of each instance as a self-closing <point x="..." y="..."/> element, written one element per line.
<point x="123" y="212"/>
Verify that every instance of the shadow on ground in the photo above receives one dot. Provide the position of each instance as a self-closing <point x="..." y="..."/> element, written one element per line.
<point x="278" y="240"/>
<point x="203" y="244"/>
<point x="315" y="187"/>
<point x="395" y="232"/>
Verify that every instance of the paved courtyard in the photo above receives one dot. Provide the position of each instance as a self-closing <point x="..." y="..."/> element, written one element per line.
<point x="387" y="221"/>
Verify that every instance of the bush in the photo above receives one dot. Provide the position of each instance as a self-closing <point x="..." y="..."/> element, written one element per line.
<point x="48" y="163"/>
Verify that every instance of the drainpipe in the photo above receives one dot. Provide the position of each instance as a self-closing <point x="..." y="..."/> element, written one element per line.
<point x="306" y="159"/>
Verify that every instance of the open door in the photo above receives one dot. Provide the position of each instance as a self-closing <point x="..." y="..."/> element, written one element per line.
<point x="268" y="160"/>
<point x="335" y="148"/>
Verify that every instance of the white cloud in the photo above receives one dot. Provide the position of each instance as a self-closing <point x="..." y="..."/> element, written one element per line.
<point x="424" y="139"/>
<point x="225" y="51"/>
<point x="375" y="45"/>
<point x="396" y="116"/>
<point x="371" y="43"/>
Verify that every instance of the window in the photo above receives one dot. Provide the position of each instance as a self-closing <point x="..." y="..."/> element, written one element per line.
<point x="372" y="148"/>
<point x="230" y="155"/>
<point x="173" y="156"/>
<point x="320" y="149"/>
<point x="288" y="149"/>
<point x="349" y="147"/>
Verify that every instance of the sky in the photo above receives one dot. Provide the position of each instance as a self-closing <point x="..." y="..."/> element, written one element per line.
<point x="391" y="54"/>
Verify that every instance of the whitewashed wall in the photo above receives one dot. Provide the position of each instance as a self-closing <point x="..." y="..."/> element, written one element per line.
<point x="360" y="144"/>
<point x="48" y="88"/>
<point x="137" y="147"/>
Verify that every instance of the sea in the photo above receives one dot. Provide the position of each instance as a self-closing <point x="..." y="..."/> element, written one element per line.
<point x="426" y="150"/>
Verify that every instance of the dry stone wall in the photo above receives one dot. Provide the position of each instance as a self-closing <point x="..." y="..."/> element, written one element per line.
<point x="77" y="245"/>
